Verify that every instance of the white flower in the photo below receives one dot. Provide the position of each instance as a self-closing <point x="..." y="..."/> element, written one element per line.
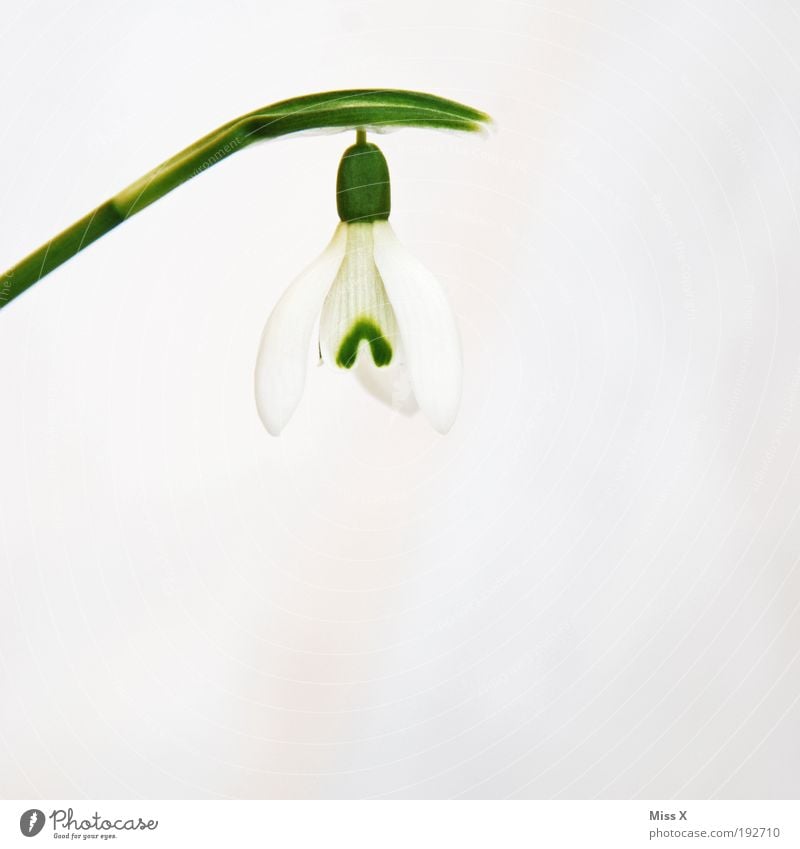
<point x="374" y="301"/>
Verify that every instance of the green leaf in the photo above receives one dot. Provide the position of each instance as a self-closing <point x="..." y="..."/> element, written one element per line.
<point x="373" y="109"/>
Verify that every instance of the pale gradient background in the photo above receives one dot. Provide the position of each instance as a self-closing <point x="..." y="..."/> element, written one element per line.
<point x="589" y="588"/>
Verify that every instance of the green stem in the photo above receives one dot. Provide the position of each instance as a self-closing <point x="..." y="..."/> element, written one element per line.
<point x="354" y="109"/>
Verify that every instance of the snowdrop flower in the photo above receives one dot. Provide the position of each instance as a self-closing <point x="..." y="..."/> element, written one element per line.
<point x="375" y="303"/>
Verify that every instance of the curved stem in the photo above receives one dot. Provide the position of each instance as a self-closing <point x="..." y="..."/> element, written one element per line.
<point x="359" y="109"/>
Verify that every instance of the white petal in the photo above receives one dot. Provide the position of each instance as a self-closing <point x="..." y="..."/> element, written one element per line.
<point x="427" y="328"/>
<point x="357" y="315"/>
<point x="283" y="355"/>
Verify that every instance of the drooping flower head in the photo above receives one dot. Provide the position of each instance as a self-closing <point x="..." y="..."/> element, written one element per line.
<point x="375" y="303"/>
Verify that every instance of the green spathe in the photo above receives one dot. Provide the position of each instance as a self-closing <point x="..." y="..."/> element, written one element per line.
<point x="364" y="329"/>
<point x="363" y="192"/>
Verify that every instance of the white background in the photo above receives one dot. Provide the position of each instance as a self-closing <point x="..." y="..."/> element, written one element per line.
<point x="589" y="588"/>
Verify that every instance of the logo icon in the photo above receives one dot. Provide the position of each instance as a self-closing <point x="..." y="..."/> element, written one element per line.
<point x="31" y="822"/>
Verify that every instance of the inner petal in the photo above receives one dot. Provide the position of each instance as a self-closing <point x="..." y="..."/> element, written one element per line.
<point x="357" y="308"/>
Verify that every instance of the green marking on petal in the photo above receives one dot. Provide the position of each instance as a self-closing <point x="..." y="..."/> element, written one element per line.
<point x="378" y="344"/>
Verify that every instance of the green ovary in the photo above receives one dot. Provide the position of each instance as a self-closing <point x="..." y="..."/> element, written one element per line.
<point x="365" y="329"/>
